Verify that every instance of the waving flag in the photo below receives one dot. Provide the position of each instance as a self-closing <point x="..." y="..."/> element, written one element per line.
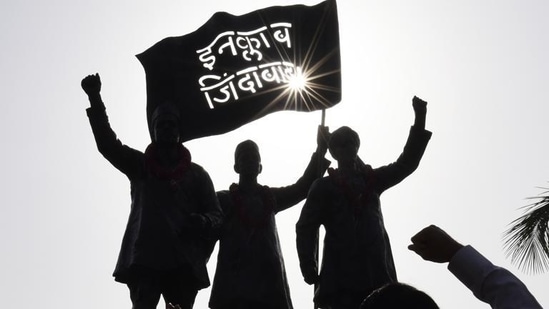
<point x="236" y="69"/>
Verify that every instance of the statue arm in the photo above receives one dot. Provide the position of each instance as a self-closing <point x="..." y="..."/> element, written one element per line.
<point x="120" y="156"/>
<point x="206" y="220"/>
<point x="307" y="233"/>
<point x="211" y="209"/>
<point x="289" y="196"/>
<point x="420" y="111"/>
<point x="418" y="138"/>
<point x="392" y="174"/>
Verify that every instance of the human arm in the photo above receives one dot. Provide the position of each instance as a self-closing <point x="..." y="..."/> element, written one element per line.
<point x="489" y="283"/>
<point x="120" y="156"/>
<point x="435" y="245"/>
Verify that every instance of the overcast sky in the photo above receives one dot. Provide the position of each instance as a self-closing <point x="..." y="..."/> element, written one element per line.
<point x="482" y="66"/>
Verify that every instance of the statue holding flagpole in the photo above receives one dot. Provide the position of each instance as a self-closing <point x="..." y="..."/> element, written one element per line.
<point x="357" y="257"/>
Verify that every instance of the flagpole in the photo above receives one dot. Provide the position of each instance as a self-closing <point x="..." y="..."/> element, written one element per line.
<point x="315" y="286"/>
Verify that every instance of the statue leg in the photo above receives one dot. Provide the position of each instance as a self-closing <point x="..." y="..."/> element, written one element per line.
<point x="144" y="293"/>
<point x="179" y="290"/>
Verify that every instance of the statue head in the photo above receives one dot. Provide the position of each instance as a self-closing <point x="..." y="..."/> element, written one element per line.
<point x="247" y="159"/>
<point x="344" y="143"/>
<point x="165" y="124"/>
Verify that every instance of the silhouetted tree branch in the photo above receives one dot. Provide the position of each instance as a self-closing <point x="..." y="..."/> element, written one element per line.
<point x="526" y="242"/>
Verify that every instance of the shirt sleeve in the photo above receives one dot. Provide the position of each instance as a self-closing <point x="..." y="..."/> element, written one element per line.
<point x="491" y="284"/>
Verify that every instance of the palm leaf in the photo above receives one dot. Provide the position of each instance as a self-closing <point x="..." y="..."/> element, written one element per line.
<point x="526" y="242"/>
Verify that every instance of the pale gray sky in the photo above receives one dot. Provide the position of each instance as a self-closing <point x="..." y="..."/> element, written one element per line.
<point x="481" y="65"/>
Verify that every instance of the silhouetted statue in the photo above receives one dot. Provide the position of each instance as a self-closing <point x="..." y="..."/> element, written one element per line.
<point x="357" y="255"/>
<point x="491" y="284"/>
<point x="398" y="295"/>
<point x="173" y="207"/>
<point x="250" y="270"/>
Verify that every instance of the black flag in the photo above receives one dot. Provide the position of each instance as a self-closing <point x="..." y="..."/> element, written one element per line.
<point x="236" y="69"/>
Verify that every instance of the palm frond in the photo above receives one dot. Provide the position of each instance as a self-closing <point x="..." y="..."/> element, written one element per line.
<point x="526" y="242"/>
